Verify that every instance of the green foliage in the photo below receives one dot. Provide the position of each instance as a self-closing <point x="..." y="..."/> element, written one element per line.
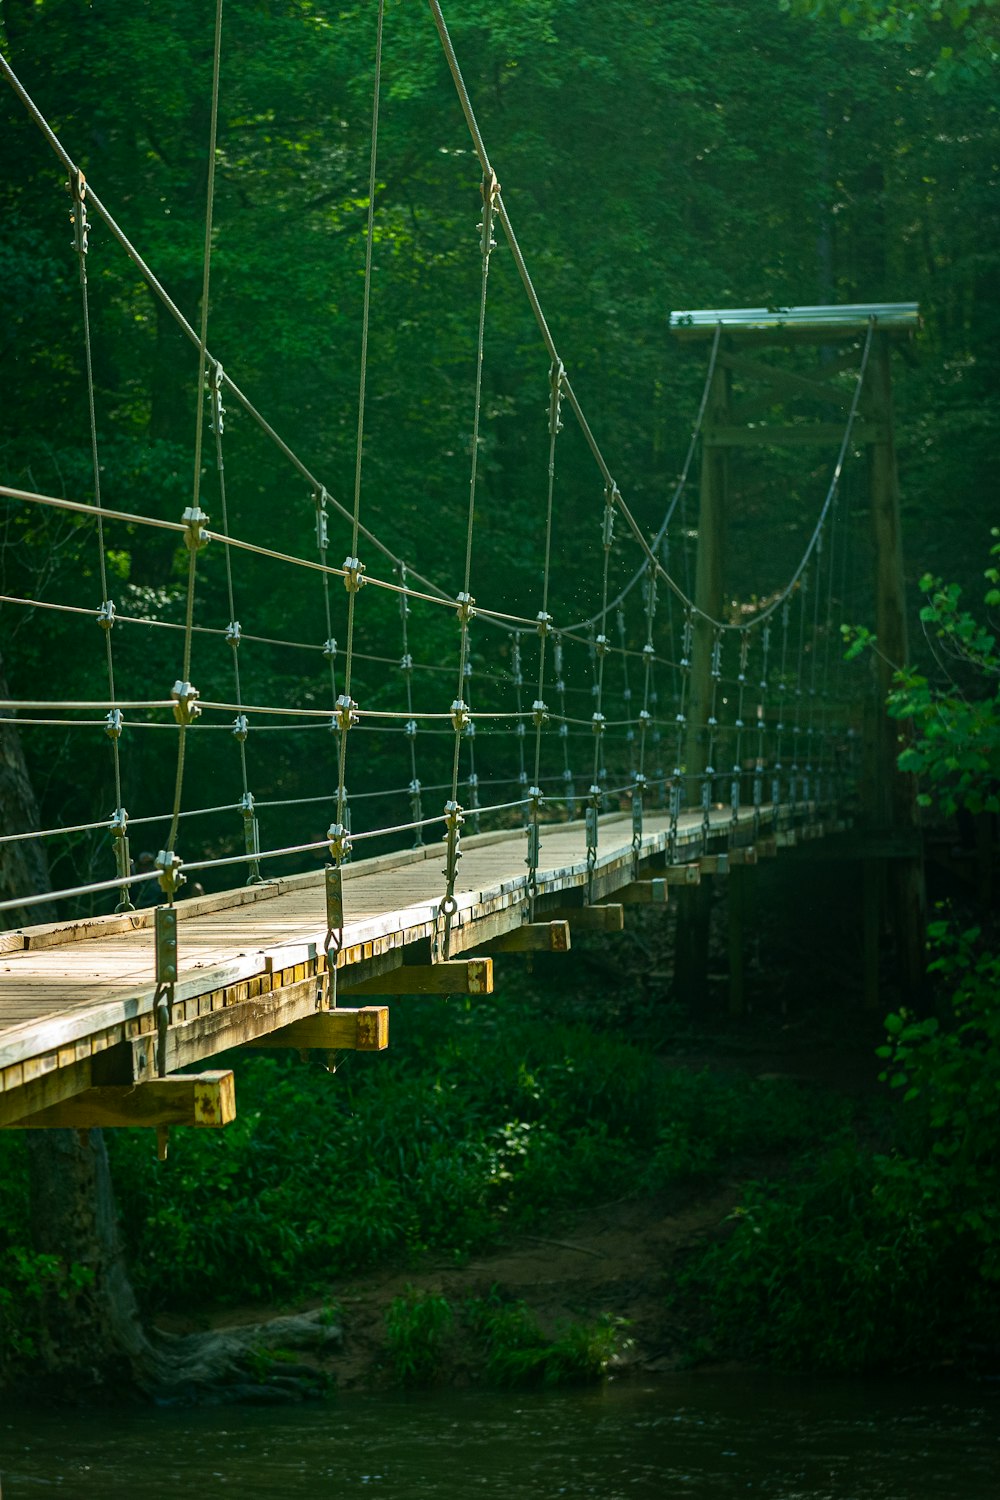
<point x="849" y="1267"/>
<point x="463" y="1133"/>
<point x="517" y="1352"/>
<point x="965" y="32"/>
<point x="29" y="1280"/>
<point x="956" y="728"/>
<point x="877" y="1259"/>
<point x="416" y="1328"/>
<point x="953" y="744"/>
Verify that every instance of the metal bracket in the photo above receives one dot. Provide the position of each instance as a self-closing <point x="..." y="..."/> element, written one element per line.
<point x="165" y="937"/>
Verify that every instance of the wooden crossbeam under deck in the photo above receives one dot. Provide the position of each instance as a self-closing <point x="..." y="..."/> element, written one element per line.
<point x="609" y="917"/>
<point x="534" y="937"/>
<point x="652" y="892"/>
<point x="465" y="976"/>
<point x="193" y="1099"/>
<point x="337" y="1030"/>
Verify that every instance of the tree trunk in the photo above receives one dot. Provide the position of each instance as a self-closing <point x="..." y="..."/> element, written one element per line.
<point x="23" y="866"/>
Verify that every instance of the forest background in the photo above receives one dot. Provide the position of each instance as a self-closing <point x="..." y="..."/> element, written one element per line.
<point x="652" y="157"/>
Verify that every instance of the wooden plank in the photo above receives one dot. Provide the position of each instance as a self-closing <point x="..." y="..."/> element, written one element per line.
<point x="652" y="892"/>
<point x="534" y="937"/>
<point x="205" y="1100"/>
<point x="714" y="864"/>
<point x="193" y="1040"/>
<point x="465" y="976"/>
<point x="788" y="382"/>
<point x="608" y="917"/>
<point x="689" y="874"/>
<point x="341" y="1030"/>
<point x="747" y="855"/>
<point x="45" y="1088"/>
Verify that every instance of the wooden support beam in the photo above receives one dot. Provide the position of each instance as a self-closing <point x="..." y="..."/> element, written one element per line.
<point x="463" y="976"/>
<point x="194" y="1099"/>
<point x="339" y="1030"/>
<point x="607" y="918"/>
<point x="534" y="937"/>
<point x="745" y="856"/>
<point x="653" y="892"/>
<point x="786" y="383"/>
<point x="714" y="864"/>
<point x="786" y="838"/>
<point x="767" y="848"/>
<point x="682" y="874"/>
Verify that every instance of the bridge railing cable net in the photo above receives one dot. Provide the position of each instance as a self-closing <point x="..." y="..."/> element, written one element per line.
<point x="420" y="709"/>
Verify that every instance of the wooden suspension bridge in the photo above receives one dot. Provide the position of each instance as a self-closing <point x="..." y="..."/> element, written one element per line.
<point x="78" y="1022"/>
<point x="99" y="1017"/>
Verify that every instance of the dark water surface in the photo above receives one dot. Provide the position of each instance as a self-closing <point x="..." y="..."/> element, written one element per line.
<point x="708" y="1436"/>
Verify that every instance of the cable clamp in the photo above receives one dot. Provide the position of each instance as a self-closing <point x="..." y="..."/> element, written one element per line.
<point x="169" y="865"/>
<point x="601" y="644"/>
<point x="218" y="410"/>
<point x="557" y="659"/>
<point x="406" y="663"/>
<point x="322" y="523"/>
<point x="246" y="804"/>
<point x="241" y="728"/>
<point x="414" y="788"/>
<point x="460" y="716"/>
<point x="544" y="622"/>
<point x="410" y="729"/>
<point x="556" y="376"/>
<point x="466" y="608"/>
<point x="114" y="722"/>
<point x="539" y="713"/>
<point x="347" y="715"/>
<point x="118" y="823"/>
<point x="627" y="695"/>
<point x="521" y="729"/>
<point x="234" y="634"/>
<point x="645" y="719"/>
<point x="195" y="535"/>
<point x="106" y="615"/>
<point x="597" y="723"/>
<point x="472" y="782"/>
<point x="330" y="649"/>
<point x="339" y="839"/>
<point x="186" y="707"/>
<point x="608" y="522"/>
<point x="564" y="731"/>
<point x="354" y="575"/>
<point x="78" y="215"/>
<point x="470" y="730"/>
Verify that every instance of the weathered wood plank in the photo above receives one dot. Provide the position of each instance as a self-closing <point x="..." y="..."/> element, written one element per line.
<point x="609" y="917"/>
<point x="473" y="976"/>
<point x="205" y="1100"/>
<point x="340" y="1030"/>
<point x="534" y="937"/>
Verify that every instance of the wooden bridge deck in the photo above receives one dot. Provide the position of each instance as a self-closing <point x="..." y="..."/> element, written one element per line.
<point x="77" y="999"/>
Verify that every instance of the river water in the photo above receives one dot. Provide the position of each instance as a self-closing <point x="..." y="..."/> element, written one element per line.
<point x="714" y="1437"/>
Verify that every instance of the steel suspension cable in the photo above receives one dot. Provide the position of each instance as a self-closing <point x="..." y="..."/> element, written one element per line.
<point x="459" y="708"/>
<point x="354" y="569"/>
<point x="106" y="613"/>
